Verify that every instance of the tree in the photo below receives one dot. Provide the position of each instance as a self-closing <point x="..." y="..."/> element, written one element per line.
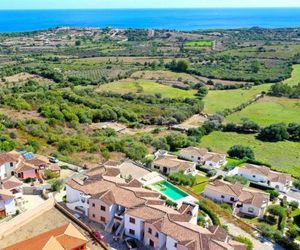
<point x="241" y="152"/>
<point x="276" y="210"/>
<point x="255" y="66"/>
<point x="274" y="133"/>
<point x="273" y="194"/>
<point x="176" y="140"/>
<point x="77" y="43"/>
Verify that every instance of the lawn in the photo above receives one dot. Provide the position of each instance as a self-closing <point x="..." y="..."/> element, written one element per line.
<point x="295" y="79"/>
<point x="270" y="110"/>
<point x="201" y="183"/>
<point x="219" y="100"/>
<point x="204" y="43"/>
<point x="147" y="88"/>
<point x="296" y="216"/>
<point x="283" y="156"/>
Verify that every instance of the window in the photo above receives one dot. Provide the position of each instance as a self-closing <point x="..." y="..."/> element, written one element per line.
<point x="11" y="164"/>
<point x="149" y="230"/>
<point x="103" y="219"/>
<point x="93" y="205"/>
<point x="156" y="235"/>
<point x="151" y="243"/>
<point x="253" y="176"/>
<point x="175" y="245"/>
<point x="232" y="199"/>
<point x="131" y="231"/>
<point x="94" y="215"/>
<point x="132" y="220"/>
<point x="222" y="196"/>
<point x="103" y="208"/>
<point x="251" y="210"/>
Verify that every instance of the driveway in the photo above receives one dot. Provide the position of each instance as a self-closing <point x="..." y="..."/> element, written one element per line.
<point x="259" y="244"/>
<point x="292" y="196"/>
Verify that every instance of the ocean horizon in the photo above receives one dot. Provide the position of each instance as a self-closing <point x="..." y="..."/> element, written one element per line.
<point x="173" y="19"/>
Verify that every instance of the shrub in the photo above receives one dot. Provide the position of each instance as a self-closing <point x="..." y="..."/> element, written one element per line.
<point x="274" y="133"/>
<point x="273" y="194"/>
<point x="244" y="240"/>
<point x="236" y="178"/>
<point x="294" y="205"/>
<point x="241" y="152"/>
<point x="214" y="218"/>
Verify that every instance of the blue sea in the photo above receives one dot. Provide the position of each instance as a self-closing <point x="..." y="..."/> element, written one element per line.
<point x="177" y="19"/>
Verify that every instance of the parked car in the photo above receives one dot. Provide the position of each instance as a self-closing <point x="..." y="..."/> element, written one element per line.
<point x="52" y="159"/>
<point x="131" y="244"/>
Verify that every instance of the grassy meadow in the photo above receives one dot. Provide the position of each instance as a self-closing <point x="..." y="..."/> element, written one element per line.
<point x="269" y="110"/>
<point x="144" y="87"/>
<point x="219" y="100"/>
<point x="199" y="43"/>
<point x="283" y="156"/>
<point x="295" y="78"/>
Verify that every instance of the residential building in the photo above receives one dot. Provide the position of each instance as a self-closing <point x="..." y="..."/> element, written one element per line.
<point x="7" y="203"/>
<point x="245" y="201"/>
<point x="264" y="176"/>
<point x="128" y="209"/>
<point x="203" y="156"/>
<point x="67" y="237"/>
<point x="168" y="164"/>
<point x="23" y="165"/>
<point x="14" y="186"/>
<point x="8" y="164"/>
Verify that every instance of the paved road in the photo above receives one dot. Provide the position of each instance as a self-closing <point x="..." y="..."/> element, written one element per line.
<point x="292" y="196"/>
<point x="262" y="244"/>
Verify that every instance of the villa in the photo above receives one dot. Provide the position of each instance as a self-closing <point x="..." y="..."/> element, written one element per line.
<point x="266" y="177"/>
<point x="129" y="209"/>
<point x="23" y="165"/>
<point x="203" y="156"/>
<point x="245" y="201"/>
<point x="168" y="164"/>
<point x="66" y="237"/>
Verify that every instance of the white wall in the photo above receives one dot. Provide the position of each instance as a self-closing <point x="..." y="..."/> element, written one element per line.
<point x="171" y="243"/>
<point x="73" y="195"/>
<point x="253" y="177"/>
<point x="246" y="207"/>
<point x="2" y="172"/>
<point x="216" y="196"/>
<point x="10" y="207"/>
<point x="138" y="227"/>
<point x="190" y="157"/>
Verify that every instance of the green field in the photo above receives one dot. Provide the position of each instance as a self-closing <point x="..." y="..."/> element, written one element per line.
<point x="219" y="100"/>
<point x="270" y="110"/>
<point x="147" y="88"/>
<point x="283" y="156"/>
<point x="199" y="43"/>
<point x="295" y="79"/>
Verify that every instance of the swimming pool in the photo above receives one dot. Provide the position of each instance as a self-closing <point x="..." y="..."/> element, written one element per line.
<point x="169" y="190"/>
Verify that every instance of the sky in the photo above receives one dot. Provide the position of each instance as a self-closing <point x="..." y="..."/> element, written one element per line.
<point x="106" y="4"/>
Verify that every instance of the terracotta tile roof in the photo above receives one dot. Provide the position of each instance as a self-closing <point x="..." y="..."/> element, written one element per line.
<point x="54" y="167"/>
<point x="173" y="163"/>
<point x="8" y="157"/>
<point x="24" y="167"/>
<point x="267" y="172"/>
<point x="36" y="162"/>
<point x="66" y="237"/>
<point x="214" y="157"/>
<point x="225" y="188"/>
<point x="243" y="194"/>
<point x="198" y="152"/>
<point x="11" y="183"/>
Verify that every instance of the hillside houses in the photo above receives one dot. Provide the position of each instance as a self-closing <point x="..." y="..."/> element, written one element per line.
<point x="245" y="201"/>
<point x="7" y="203"/>
<point x="266" y="177"/>
<point x="22" y="165"/>
<point x="128" y="209"/>
<point x="203" y="156"/>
